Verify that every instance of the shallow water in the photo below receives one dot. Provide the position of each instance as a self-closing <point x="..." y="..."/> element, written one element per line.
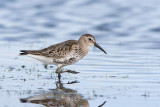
<point x="128" y="76"/>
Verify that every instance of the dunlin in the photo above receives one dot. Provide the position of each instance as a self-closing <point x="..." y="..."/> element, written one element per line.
<point x="64" y="53"/>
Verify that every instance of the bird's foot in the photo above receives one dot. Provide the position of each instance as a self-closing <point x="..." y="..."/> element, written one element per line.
<point x="66" y="71"/>
<point x="58" y="72"/>
<point x="70" y="71"/>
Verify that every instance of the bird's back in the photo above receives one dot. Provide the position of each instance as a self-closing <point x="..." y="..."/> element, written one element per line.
<point x="55" y="51"/>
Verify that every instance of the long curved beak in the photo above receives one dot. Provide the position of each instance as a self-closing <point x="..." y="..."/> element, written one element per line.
<point x="96" y="45"/>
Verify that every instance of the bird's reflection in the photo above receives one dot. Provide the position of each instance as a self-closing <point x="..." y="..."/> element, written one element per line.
<point x="59" y="97"/>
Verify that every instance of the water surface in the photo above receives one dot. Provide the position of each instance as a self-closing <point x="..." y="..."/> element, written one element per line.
<point x="128" y="30"/>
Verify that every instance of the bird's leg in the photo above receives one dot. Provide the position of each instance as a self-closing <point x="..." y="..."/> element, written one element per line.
<point x="59" y="76"/>
<point x="58" y="71"/>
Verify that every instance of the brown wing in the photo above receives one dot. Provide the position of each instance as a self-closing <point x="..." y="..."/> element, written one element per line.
<point x="56" y="51"/>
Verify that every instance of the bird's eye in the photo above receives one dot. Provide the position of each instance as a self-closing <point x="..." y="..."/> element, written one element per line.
<point x="89" y="39"/>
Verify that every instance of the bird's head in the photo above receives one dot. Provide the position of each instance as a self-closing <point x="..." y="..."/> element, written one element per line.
<point x="89" y="40"/>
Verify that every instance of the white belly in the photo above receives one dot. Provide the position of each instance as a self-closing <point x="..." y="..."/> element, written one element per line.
<point x="46" y="60"/>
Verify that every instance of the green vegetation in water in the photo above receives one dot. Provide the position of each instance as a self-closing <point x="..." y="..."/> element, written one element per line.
<point x="45" y="66"/>
<point x="125" y="76"/>
<point x="3" y="76"/>
<point x="10" y="68"/>
<point x="23" y="66"/>
<point x="38" y="75"/>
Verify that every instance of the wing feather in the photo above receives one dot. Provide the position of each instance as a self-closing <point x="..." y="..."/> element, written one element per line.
<point x="57" y="51"/>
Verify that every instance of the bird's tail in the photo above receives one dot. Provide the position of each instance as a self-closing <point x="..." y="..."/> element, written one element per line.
<point x="23" y="100"/>
<point x="24" y="52"/>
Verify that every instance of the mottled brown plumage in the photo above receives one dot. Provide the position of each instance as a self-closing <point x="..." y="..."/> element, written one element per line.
<point x="64" y="53"/>
<point x="56" y="51"/>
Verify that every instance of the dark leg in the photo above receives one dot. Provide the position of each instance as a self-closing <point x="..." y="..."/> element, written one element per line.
<point x="59" y="76"/>
<point x="58" y="70"/>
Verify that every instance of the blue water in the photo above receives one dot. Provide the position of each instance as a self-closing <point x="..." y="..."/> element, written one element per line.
<point x="128" y="30"/>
